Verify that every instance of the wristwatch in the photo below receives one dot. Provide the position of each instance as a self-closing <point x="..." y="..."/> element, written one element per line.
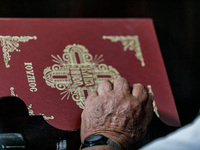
<point x="99" y="139"/>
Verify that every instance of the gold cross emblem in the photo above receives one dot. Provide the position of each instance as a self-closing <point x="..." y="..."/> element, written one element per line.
<point x="77" y="73"/>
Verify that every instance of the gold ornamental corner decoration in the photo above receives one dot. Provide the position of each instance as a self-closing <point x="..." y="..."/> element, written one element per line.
<point x="77" y="73"/>
<point x="30" y="110"/>
<point x="31" y="113"/>
<point x="130" y="43"/>
<point x="13" y="92"/>
<point x="10" y="43"/>
<point x="154" y="103"/>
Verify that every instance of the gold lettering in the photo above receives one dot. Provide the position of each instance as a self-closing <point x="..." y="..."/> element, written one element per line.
<point x="32" y="85"/>
<point x="87" y="77"/>
<point x="89" y="81"/>
<point x="29" y="67"/>
<point x="30" y="72"/>
<point x="28" y="64"/>
<point x="30" y="76"/>
<point x="87" y="74"/>
<point x="33" y="89"/>
<point x="75" y="71"/>
<point x="77" y="80"/>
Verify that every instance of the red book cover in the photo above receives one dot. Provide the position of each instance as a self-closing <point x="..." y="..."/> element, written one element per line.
<point x="53" y="64"/>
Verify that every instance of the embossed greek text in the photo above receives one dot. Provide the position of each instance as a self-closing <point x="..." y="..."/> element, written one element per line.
<point x="88" y="77"/>
<point x="30" y="77"/>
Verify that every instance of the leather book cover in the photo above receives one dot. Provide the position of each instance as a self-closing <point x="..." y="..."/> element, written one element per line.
<point x="53" y="64"/>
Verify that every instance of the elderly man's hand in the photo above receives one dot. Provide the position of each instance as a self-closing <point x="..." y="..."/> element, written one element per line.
<point x="118" y="112"/>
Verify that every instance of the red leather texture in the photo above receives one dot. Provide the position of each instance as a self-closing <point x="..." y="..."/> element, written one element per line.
<point x="52" y="64"/>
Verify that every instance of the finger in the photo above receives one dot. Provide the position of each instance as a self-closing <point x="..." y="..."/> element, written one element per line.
<point x="90" y="97"/>
<point x="120" y="84"/>
<point x="104" y="86"/>
<point x="140" y="93"/>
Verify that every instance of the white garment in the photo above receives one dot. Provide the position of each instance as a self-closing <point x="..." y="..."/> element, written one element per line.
<point x="185" y="138"/>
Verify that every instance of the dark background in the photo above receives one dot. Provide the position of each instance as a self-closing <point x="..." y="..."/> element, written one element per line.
<point x="177" y="25"/>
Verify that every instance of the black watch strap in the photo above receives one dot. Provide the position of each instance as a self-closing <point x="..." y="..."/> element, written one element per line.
<point x="99" y="139"/>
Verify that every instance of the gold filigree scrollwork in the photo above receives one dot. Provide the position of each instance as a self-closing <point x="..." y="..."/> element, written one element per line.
<point x="31" y="113"/>
<point x="154" y="103"/>
<point x="12" y="92"/>
<point x="10" y="43"/>
<point x="77" y="73"/>
<point x="30" y="110"/>
<point x="130" y="43"/>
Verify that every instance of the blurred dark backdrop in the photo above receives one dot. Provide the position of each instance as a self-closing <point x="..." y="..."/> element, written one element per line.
<point x="177" y="24"/>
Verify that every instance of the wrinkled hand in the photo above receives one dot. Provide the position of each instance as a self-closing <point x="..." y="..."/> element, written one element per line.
<point x="117" y="112"/>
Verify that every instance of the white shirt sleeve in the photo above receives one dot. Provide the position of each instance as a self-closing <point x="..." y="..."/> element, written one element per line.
<point x="185" y="138"/>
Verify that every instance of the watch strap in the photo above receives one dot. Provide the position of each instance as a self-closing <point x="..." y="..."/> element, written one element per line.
<point x="103" y="141"/>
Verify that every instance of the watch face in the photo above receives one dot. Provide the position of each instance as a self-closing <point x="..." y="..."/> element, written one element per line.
<point x="99" y="139"/>
<point x="93" y="138"/>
